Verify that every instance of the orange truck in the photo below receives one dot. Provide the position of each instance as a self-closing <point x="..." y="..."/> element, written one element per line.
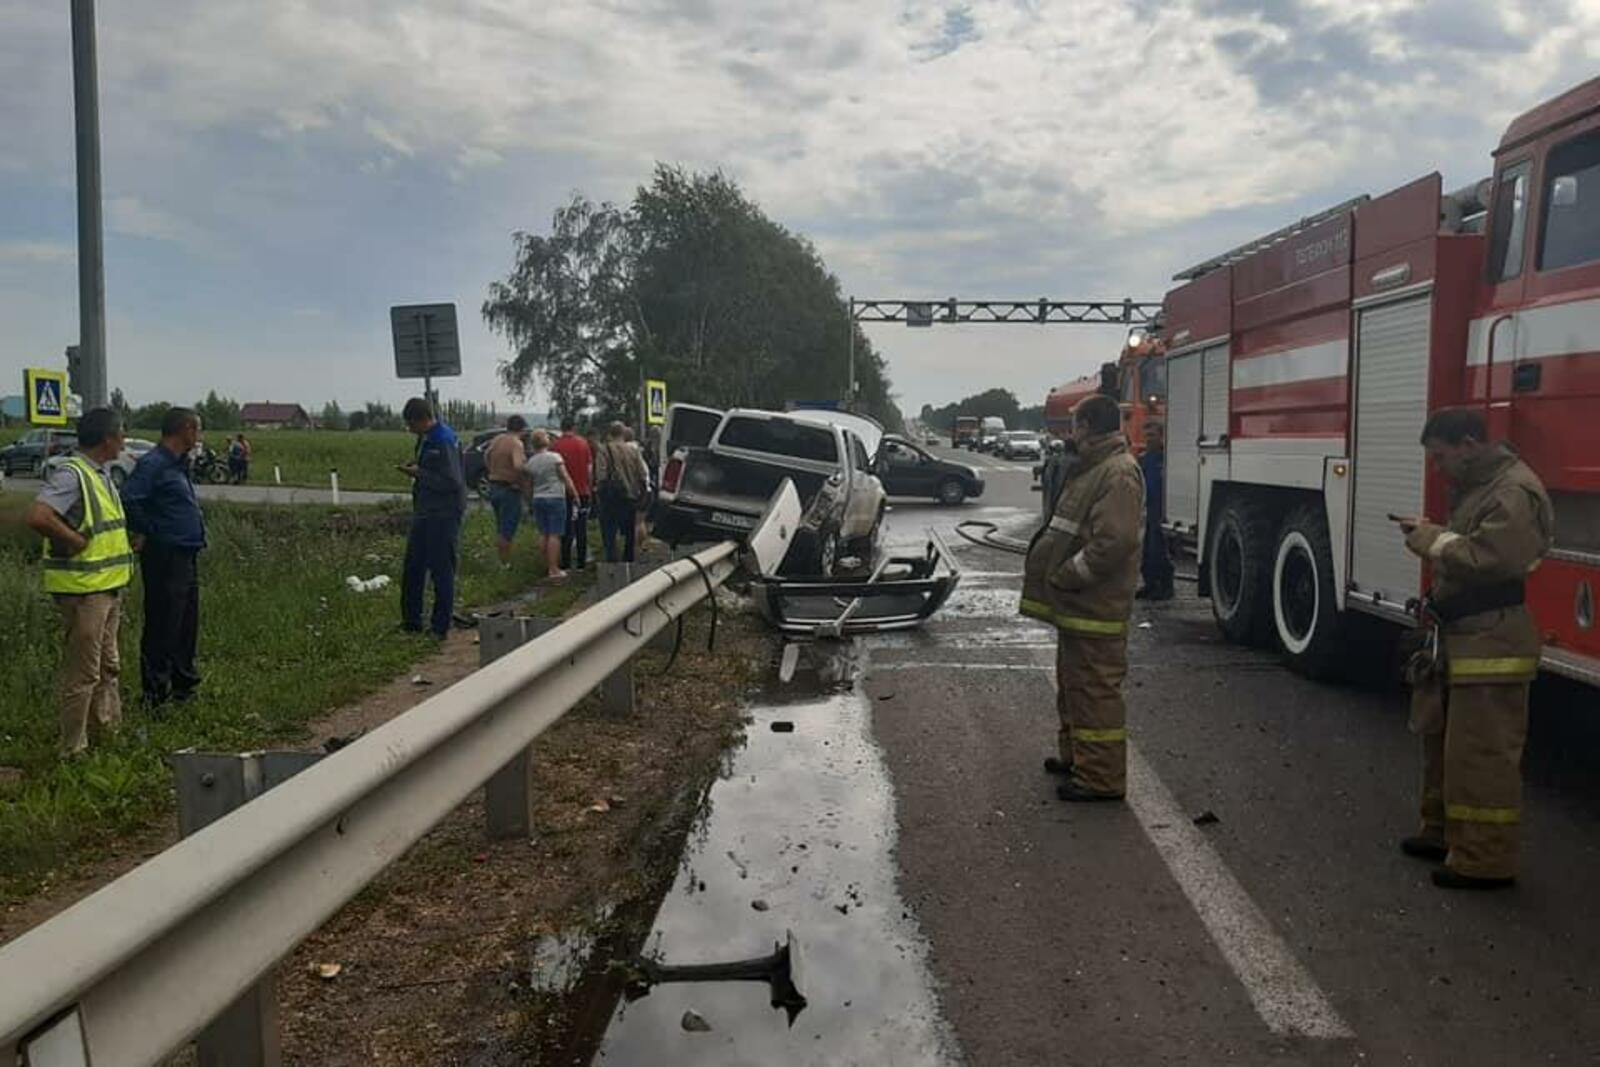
<point x="1138" y="379"/>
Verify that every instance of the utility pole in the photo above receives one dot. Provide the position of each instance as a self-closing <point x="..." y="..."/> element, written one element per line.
<point x="850" y="388"/>
<point x="91" y="258"/>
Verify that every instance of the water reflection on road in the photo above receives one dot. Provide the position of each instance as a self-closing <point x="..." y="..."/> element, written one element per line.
<point x="799" y="837"/>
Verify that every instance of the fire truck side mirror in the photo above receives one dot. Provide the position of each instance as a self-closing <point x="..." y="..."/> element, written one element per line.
<point x="1564" y="191"/>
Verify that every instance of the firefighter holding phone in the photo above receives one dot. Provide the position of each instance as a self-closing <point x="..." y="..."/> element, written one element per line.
<point x="1469" y="698"/>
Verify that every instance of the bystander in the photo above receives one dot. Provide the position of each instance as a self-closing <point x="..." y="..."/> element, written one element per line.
<point x="579" y="459"/>
<point x="503" y="462"/>
<point x="88" y="562"/>
<point x="438" y="502"/>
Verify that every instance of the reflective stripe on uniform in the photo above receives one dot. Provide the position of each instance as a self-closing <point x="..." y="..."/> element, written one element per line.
<point x="1467" y="813"/>
<point x="1436" y="549"/>
<point x="1505" y="668"/>
<point x="108" y="524"/>
<point x="1065" y="525"/>
<point x="1073" y="623"/>
<point x="75" y="564"/>
<point x="1119" y="733"/>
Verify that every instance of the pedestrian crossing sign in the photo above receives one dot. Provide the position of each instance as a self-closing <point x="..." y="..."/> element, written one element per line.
<point x="655" y="392"/>
<point x="46" y="391"/>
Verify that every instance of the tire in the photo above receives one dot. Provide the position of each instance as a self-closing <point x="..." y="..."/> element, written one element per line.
<point x="1306" y="619"/>
<point x="827" y="556"/>
<point x="1239" y="565"/>
<point x="952" y="492"/>
<point x="217" y="475"/>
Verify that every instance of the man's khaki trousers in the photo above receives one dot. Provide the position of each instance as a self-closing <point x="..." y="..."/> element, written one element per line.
<point x="91" y="668"/>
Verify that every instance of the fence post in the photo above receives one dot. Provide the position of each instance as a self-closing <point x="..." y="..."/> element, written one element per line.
<point x="616" y="692"/>
<point x="508" y="794"/>
<point x="211" y="785"/>
<point x="333" y="480"/>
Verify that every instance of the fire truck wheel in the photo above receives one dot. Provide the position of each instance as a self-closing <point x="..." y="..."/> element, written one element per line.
<point x="1304" y="611"/>
<point x="1240" y="564"/>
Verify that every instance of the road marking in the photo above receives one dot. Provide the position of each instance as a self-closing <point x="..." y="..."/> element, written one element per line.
<point x="918" y="665"/>
<point x="1284" y="993"/>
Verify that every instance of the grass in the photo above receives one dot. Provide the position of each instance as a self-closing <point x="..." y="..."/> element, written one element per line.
<point x="365" y="459"/>
<point x="11" y="433"/>
<point x="282" y="641"/>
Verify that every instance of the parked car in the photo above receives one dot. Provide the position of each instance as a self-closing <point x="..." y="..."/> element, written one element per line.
<point x="906" y="469"/>
<point x="28" y="453"/>
<point x="720" y="489"/>
<point x="1019" y="444"/>
<point x="474" y="461"/>
<point x="132" y="449"/>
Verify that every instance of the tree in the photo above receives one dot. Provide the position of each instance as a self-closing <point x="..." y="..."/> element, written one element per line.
<point x="564" y="308"/>
<point x="357" y="420"/>
<point x="693" y="284"/>
<point x="1001" y="402"/>
<point x="218" y="412"/>
<point x="149" y="416"/>
<point x="333" y="417"/>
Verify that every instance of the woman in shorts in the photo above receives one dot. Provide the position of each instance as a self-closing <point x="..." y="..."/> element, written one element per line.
<point x="549" y="485"/>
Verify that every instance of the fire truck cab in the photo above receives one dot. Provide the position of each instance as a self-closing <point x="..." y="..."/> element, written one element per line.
<point x="1301" y="366"/>
<point x="1138" y="381"/>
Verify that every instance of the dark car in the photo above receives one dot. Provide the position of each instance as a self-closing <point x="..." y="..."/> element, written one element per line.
<point x="907" y="469"/>
<point x="475" y="464"/>
<point x="27" y="454"/>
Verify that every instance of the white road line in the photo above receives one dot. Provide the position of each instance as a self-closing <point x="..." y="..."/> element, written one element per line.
<point x="921" y="665"/>
<point x="1284" y="993"/>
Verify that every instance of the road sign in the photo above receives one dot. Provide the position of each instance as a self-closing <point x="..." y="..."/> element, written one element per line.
<point x="46" y="391"/>
<point x="655" y="402"/>
<point x="426" y="345"/>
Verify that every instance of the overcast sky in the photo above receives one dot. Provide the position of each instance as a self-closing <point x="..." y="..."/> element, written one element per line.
<point x="278" y="173"/>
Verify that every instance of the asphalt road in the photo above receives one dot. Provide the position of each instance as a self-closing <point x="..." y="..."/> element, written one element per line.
<point x="1287" y="931"/>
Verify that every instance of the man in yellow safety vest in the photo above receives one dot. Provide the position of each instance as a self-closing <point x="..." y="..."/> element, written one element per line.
<point x="87" y="563"/>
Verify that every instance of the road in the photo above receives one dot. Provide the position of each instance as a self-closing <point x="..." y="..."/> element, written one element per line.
<point x="1290" y="930"/>
<point x="254" y="493"/>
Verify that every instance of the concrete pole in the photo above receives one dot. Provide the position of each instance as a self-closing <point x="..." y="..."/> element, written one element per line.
<point x="91" y="259"/>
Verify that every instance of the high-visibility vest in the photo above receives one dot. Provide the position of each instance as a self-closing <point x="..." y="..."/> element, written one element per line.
<point x="106" y="562"/>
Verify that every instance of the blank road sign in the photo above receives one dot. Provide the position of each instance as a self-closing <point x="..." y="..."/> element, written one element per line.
<point x="425" y="341"/>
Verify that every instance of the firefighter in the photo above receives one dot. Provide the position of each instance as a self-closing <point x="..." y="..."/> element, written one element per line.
<point x="1079" y="576"/>
<point x="1480" y="651"/>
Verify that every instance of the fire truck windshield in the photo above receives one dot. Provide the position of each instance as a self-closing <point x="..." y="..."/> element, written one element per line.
<point x="1147" y="382"/>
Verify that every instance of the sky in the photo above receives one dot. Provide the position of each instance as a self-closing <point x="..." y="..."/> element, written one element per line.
<point x="276" y="175"/>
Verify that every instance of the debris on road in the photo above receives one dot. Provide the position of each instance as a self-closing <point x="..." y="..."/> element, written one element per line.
<point x="367" y="585"/>
<point x="602" y="806"/>
<point x="695" y="1023"/>
<point x="418" y="679"/>
<point x="327" y="971"/>
<point x="1206" y="818"/>
<point x="782" y="726"/>
<point x="760" y="905"/>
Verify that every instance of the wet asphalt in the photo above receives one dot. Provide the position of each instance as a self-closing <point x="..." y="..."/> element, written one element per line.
<point x="1061" y="934"/>
<point x="952" y="910"/>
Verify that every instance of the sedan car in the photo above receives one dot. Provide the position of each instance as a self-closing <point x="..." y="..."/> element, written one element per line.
<point x="1019" y="444"/>
<point x="906" y="469"/>
<point x="28" y="453"/>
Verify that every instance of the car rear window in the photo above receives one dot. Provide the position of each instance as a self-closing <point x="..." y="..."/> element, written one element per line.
<point x="781" y="437"/>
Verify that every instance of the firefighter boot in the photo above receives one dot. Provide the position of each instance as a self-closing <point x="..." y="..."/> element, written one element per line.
<point x="1485" y="727"/>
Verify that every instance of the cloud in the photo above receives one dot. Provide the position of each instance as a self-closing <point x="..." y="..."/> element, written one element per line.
<point x="37" y="252"/>
<point x="1071" y="148"/>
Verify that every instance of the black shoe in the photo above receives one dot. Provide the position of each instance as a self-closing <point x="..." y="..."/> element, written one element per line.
<point x="1052" y="765"/>
<point x="1423" y="847"/>
<point x="1445" y="878"/>
<point x="1071" y="790"/>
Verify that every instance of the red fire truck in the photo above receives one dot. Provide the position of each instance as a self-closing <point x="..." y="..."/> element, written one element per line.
<point x="1300" y="368"/>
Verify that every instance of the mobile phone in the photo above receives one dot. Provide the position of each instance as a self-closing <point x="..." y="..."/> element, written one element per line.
<point x="1396" y="518"/>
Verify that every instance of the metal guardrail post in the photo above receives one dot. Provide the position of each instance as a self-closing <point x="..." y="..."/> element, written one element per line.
<point x="210" y="785"/>
<point x="508" y="794"/>
<point x="616" y="692"/>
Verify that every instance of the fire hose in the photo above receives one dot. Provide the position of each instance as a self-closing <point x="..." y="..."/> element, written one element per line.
<point x="987" y="535"/>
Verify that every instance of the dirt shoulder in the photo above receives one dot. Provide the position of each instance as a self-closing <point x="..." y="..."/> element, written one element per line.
<point x="434" y="960"/>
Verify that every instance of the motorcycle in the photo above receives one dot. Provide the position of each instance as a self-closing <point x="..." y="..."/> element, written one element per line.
<point x="206" y="466"/>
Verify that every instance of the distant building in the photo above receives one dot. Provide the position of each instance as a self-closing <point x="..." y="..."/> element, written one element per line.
<point x="270" y="416"/>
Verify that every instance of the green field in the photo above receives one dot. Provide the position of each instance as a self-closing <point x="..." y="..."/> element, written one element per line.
<point x="365" y="459"/>
<point x="282" y="640"/>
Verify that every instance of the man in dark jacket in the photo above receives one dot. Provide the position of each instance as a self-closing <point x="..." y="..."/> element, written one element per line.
<point x="438" y="501"/>
<point x="169" y="531"/>
<point x="1155" y="565"/>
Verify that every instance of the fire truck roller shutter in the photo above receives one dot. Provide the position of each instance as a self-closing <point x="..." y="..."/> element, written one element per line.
<point x="1391" y="404"/>
<point x="1183" y="435"/>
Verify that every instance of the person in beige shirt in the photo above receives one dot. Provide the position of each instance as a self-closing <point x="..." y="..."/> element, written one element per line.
<point x="503" y="462"/>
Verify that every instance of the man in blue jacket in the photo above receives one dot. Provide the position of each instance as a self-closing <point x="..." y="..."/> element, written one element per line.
<point x="1155" y="566"/>
<point x="169" y="531"/>
<point x="438" y="501"/>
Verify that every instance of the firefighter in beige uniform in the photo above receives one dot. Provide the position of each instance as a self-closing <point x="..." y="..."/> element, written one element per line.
<point x="1470" y="682"/>
<point x="1080" y="575"/>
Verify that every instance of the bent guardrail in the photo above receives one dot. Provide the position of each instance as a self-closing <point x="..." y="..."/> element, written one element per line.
<point x="131" y="972"/>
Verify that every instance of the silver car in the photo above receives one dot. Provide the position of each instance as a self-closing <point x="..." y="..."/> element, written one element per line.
<point x="1019" y="444"/>
<point x="121" y="467"/>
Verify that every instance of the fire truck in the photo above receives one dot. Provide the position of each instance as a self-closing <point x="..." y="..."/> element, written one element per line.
<point x="1138" y="380"/>
<point x="1300" y="368"/>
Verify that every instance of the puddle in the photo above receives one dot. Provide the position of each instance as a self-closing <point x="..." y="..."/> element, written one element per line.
<point x="798" y="837"/>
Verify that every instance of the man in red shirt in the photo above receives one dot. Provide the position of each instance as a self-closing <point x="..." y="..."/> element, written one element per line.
<point x="579" y="460"/>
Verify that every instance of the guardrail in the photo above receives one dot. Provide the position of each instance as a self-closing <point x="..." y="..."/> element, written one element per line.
<point x="131" y="972"/>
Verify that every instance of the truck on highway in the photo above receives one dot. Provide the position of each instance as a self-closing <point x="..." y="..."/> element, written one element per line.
<point x="965" y="434"/>
<point x="990" y="429"/>
<point x="1300" y="368"/>
<point x="1137" y="380"/>
<point x="720" y="489"/>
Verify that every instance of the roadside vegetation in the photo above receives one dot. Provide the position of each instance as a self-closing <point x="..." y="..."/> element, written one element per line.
<point x="365" y="459"/>
<point x="282" y="641"/>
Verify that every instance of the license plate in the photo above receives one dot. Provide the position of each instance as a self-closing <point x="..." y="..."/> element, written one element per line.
<point x="741" y="522"/>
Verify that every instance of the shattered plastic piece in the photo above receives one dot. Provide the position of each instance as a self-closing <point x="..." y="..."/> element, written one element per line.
<point x="1206" y="818"/>
<point x="327" y="971"/>
<point x="760" y="905"/>
<point x="1146" y="625"/>
<point x="783" y="726"/>
<point x="602" y="806"/>
<point x="369" y="585"/>
<point x="695" y="1023"/>
<point x="417" y="679"/>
